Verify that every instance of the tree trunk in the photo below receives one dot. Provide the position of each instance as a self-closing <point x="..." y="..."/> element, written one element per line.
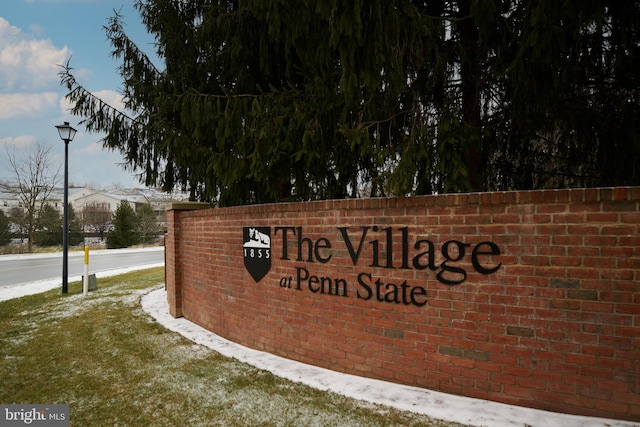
<point x="470" y="70"/>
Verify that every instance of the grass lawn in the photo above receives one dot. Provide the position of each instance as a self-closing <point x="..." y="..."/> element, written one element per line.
<point x="115" y="366"/>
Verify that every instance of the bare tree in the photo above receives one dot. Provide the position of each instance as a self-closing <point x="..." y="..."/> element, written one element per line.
<point x="97" y="218"/>
<point x="35" y="177"/>
<point x="148" y="227"/>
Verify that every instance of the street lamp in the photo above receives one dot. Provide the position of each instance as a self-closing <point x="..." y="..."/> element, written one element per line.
<point x="66" y="134"/>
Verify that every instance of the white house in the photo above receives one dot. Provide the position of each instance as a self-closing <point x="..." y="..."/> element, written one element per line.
<point x="81" y="197"/>
<point x="110" y="201"/>
<point x="8" y="201"/>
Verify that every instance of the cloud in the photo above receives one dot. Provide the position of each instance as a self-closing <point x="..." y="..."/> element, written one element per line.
<point x="29" y="105"/>
<point x="112" y="98"/>
<point x="27" y="63"/>
<point x="18" y="142"/>
<point x="92" y="149"/>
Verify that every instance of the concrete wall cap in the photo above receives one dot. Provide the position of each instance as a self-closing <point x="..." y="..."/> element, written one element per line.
<point x="187" y="206"/>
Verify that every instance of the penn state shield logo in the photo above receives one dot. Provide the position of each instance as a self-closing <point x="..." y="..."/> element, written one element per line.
<point x="257" y="251"/>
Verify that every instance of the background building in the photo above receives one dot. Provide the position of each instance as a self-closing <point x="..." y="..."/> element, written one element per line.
<point x="95" y="208"/>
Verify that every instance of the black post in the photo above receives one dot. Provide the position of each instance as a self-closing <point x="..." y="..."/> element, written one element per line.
<point x="65" y="231"/>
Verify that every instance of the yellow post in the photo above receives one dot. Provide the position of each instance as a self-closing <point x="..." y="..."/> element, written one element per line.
<point x="85" y="282"/>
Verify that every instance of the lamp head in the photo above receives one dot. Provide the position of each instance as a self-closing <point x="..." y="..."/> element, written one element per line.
<point x="66" y="132"/>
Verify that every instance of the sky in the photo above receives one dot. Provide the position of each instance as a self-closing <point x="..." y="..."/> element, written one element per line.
<point x="36" y="36"/>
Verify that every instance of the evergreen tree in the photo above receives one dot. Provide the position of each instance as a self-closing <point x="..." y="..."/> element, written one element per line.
<point x="125" y="228"/>
<point x="18" y="219"/>
<point x="5" y="229"/>
<point x="76" y="235"/>
<point x="265" y="100"/>
<point x="50" y="229"/>
<point x="570" y="95"/>
<point x="49" y="232"/>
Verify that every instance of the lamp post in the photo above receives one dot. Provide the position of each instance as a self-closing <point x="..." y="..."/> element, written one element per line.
<point x="66" y="134"/>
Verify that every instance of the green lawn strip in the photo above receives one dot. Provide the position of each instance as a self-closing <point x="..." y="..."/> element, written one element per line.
<point x="115" y="366"/>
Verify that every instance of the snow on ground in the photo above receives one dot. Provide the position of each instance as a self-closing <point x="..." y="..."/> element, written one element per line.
<point x="431" y="403"/>
<point x="434" y="404"/>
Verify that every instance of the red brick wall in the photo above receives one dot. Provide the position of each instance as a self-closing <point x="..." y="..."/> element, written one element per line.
<point x="555" y="327"/>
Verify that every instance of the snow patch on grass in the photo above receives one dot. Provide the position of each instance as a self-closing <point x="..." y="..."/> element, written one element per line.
<point x="437" y="405"/>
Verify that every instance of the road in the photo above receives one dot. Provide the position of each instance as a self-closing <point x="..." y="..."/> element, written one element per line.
<point x="36" y="267"/>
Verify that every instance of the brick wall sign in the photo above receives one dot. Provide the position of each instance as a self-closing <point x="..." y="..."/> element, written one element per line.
<point x="367" y="243"/>
<point x="528" y="298"/>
